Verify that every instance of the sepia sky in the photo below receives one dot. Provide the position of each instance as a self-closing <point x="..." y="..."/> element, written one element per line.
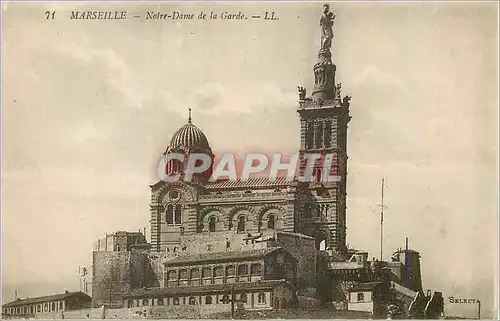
<point x="89" y="106"/>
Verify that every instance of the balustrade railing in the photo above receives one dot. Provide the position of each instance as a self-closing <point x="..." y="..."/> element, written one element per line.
<point x="241" y="195"/>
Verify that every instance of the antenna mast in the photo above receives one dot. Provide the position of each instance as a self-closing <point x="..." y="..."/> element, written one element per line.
<point x="382" y="221"/>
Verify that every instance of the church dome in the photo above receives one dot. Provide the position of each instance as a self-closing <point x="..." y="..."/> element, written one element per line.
<point x="189" y="137"/>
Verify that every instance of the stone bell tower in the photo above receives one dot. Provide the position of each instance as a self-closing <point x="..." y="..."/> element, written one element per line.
<point x="324" y="117"/>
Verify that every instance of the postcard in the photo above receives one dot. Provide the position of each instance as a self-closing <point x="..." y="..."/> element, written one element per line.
<point x="249" y="160"/>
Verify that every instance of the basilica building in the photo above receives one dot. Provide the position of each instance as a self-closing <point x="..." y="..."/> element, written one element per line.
<point x="317" y="209"/>
<point x="260" y="244"/>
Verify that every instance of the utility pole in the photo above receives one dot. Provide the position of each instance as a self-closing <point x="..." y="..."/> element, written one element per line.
<point x="232" y="300"/>
<point x="382" y="222"/>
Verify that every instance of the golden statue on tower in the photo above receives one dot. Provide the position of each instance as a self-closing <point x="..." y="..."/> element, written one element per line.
<point x="326" y="23"/>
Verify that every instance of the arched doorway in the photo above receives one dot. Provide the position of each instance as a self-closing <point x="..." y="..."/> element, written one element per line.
<point x="211" y="224"/>
<point x="271" y="222"/>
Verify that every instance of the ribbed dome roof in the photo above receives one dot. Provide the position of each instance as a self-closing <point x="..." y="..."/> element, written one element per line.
<point x="189" y="137"/>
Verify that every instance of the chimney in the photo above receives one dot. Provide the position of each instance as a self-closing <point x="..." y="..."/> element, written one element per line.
<point x="66" y="292"/>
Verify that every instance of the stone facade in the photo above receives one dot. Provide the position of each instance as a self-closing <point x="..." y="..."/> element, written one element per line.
<point x="231" y="267"/>
<point x="263" y="295"/>
<point x="252" y="206"/>
<point x="248" y="207"/>
<point x="119" y="241"/>
<point x="117" y="273"/>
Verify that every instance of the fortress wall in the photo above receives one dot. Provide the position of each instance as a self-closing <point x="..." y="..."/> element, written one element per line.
<point x="116" y="273"/>
<point x="165" y="312"/>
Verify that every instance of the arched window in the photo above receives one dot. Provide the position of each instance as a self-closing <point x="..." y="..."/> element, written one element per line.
<point x="53" y="307"/>
<point x="171" y="275"/>
<point x="176" y="301"/>
<point x="309" y="136"/>
<point x="206" y="272"/>
<point x="328" y="136"/>
<point x="183" y="274"/>
<point x="230" y="270"/>
<point x="243" y="269"/>
<point x="262" y="298"/>
<point x="130" y="304"/>
<point x="211" y="224"/>
<point x="219" y="271"/>
<point x="145" y="301"/>
<point x="256" y="269"/>
<point x="241" y="224"/>
<point x="208" y="299"/>
<point x="170" y="214"/>
<point x="271" y="222"/>
<point x="243" y="298"/>
<point x="194" y="274"/>
<point x="192" y="300"/>
<point x="225" y="298"/>
<point x="319" y="175"/>
<point x="361" y="296"/>
<point x="173" y="166"/>
<point x="160" y="301"/>
<point x="319" y="136"/>
<point x="60" y="305"/>
<point x="178" y="214"/>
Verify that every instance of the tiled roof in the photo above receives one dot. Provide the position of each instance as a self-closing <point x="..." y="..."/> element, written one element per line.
<point x="300" y="235"/>
<point x="403" y="290"/>
<point x="261" y="182"/>
<point x="200" y="289"/>
<point x="221" y="256"/>
<point x="42" y="299"/>
<point x="368" y="286"/>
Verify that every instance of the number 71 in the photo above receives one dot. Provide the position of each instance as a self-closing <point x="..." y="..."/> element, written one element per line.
<point x="50" y="15"/>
